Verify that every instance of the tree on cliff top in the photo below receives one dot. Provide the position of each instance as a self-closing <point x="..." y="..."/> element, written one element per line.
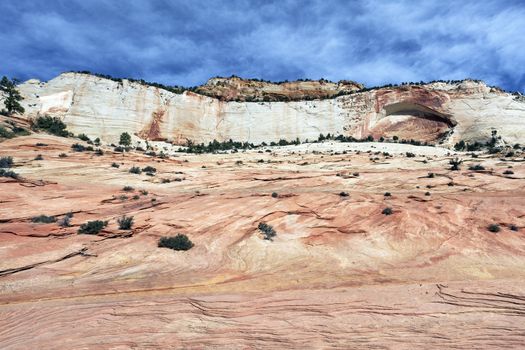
<point x="125" y="139"/>
<point x="11" y="95"/>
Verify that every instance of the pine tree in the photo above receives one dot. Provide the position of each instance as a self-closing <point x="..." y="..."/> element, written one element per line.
<point x="11" y="96"/>
<point x="125" y="139"/>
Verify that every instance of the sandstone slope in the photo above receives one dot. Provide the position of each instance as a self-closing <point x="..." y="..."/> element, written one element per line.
<point x="338" y="275"/>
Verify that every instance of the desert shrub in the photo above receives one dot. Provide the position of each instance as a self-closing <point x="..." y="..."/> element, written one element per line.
<point x="508" y="172"/>
<point x="83" y="137"/>
<point x="40" y="144"/>
<point x="267" y="230"/>
<point x="90" y="148"/>
<point x="477" y="167"/>
<point x="43" y="219"/>
<point x="388" y="194"/>
<point x="343" y="194"/>
<point x="356" y="174"/>
<point x="123" y="197"/>
<point x="179" y="242"/>
<point x="92" y="227"/>
<point x="118" y="149"/>
<point x="97" y="141"/>
<point x="39" y="157"/>
<point x="125" y="222"/>
<point x="513" y="227"/>
<point x="99" y="152"/>
<point x="127" y="188"/>
<point x="77" y="147"/>
<point x="387" y="211"/>
<point x="135" y="197"/>
<point x="6" y="134"/>
<point x="115" y="165"/>
<point x="410" y="155"/>
<point x="66" y="220"/>
<point x="427" y="193"/>
<point x="52" y="125"/>
<point x="455" y="163"/>
<point x="125" y="139"/>
<point x="8" y="173"/>
<point x="6" y="162"/>
<point x="149" y="169"/>
<point x="431" y="175"/>
<point x="275" y="195"/>
<point x="135" y="170"/>
<point x="494" y="228"/>
<point x="144" y="192"/>
<point x="62" y="155"/>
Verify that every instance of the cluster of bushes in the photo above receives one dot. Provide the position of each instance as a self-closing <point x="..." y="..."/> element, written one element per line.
<point x="51" y="125"/>
<point x="489" y="145"/>
<point x="215" y="146"/>
<point x="14" y="132"/>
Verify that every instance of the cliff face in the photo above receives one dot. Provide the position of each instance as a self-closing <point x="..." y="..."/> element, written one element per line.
<point x="103" y="108"/>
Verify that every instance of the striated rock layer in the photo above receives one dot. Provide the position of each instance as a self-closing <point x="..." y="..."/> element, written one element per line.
<point x="447" y="112"/>
<point x="338" y="275"/>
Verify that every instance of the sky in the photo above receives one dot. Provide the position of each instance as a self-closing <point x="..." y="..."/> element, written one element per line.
<point x="187" y="42"/>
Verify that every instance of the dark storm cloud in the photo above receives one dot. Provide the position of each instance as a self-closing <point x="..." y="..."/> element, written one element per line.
<point x="187" y="42"/>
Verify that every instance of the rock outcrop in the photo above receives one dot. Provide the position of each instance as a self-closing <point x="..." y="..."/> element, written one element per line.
<point x="443" y="112"/>
<point x="244" y="90"/>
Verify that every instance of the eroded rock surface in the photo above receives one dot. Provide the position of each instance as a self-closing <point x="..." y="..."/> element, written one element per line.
<point x="338" y="275"/>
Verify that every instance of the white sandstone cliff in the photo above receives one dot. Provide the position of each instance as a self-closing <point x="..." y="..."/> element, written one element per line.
<point x="104" y="108"/>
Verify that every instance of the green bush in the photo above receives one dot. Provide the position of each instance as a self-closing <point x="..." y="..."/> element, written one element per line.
<point x="83" y="137"/>
<point x="456" y="162"/>
<point x="6" y="134"/>
<point x="135" y="170"/>
<point x="125" y="222"/>
<point x="115" y="165"/>
<point x="410" y="155"/>
<point x="43" y="219"/>
<point x="8" y="173"/>
<point x="52" y="125"/>
<point x="6" y="162"/>
<point x="77" y="147"/>
<point x="179" y="242"/>
<point x="149" y="169"/>
<point x="66" y="220"/>
<point x="494" y="228"/>
<point x="125" y="139"/>
<point x="92" y="227"/>
<point x="267" y="230"/>
<point x="387" y="211"/>
<point x="477" y="167"/>
<point x="127" y="188"/>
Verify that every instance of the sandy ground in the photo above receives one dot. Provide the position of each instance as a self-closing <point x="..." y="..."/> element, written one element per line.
<point x="338" y="275"/>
